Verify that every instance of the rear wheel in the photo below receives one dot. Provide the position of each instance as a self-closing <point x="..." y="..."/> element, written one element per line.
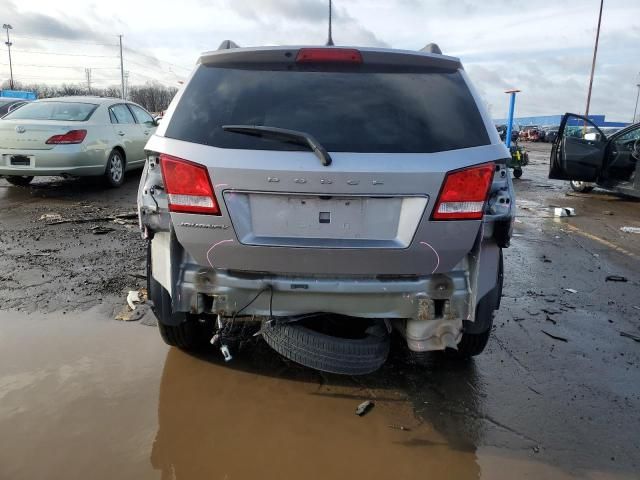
<point x="582" y="187"/>
<point x="19" y="180"/>
<point x="178" y="329"/>
<point x="114" y="173"/>
<point x="517" y="172"/>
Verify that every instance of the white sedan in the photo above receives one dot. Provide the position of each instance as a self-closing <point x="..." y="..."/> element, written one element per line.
<point x="74" y="136"/>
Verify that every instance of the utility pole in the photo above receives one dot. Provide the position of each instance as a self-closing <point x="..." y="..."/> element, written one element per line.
<point x="593" y="63"/>
<point x="126" y="84"/>
<point x="87" y="72"/>
<point x="121" y="68"/>
<point x="635" y="110"/>
<point x="330" y="40"/>
<point x="8" y="43"/>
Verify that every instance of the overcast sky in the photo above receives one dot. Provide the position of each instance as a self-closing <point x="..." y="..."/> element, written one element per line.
<point x="543" y="47"/>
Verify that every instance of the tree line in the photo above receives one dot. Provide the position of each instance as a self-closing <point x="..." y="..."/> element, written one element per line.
<point x="152" y="96"/>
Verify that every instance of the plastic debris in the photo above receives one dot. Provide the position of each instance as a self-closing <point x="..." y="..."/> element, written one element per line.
<point x="630" y="229"/>
<point x="136" y="307"/>
<point x="564" y="212"/>
<point x="633" y="337"/>
<point x="570" y="290"/>
<point x="364" y="408"/>
<point x="555" y="337"/>
<point x="52" y="217"/>
<point x="133" y="297"/>
<point x="400" y="427"/>
<point x="616" y="278"/>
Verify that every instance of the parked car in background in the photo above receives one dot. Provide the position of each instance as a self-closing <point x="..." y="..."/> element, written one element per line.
<point x="550" y="134"/>
<point x="326" y="193"/>
<point x="10" y="104"/>
<point x="74" y="136"/>
<point x="502" y="131"/>
<point x="587" y="157"/>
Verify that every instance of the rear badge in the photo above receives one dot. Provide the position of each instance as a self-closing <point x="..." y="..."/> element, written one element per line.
<point x="325" y="217"/>
<point x="204" y="225"/>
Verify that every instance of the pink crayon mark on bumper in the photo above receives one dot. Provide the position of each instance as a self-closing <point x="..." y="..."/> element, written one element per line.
<point x="437" y="256"/>
<point x="214" y="246"/>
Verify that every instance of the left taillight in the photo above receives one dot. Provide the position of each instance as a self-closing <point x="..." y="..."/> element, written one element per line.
<point x="70" y="138"/>
<point x="188" y="186"/>
<point x="464" y="193"/>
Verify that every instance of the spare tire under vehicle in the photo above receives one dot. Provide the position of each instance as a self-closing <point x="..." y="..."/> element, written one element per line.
<point x="346" y="356"/>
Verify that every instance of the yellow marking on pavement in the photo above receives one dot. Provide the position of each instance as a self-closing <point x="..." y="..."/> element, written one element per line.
<point x="602" y="241"/>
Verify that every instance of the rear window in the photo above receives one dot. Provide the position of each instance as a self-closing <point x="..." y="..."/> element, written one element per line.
<point x="393" y="112"/>
<point x="65" y="111"/>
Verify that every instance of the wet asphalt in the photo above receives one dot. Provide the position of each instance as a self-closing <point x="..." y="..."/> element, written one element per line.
<point x="555" y="395"/>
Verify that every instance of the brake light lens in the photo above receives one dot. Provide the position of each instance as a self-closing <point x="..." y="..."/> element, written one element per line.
<point x="70" y="138"/>
<point x="188" y="186"/>
<point x="329" y="55"/>
<point x="464" y="193"/>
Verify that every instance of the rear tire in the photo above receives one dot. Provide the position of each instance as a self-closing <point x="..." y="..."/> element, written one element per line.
<point x="582" y="187"/>
<point x="19" y="180"/>
<point x="177" y="329"/>
<point x="517" y="172"/>
<point x="114" y="171"/>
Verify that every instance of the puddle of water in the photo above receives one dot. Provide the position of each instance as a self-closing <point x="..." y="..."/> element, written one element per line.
<point x="85" y="397"/>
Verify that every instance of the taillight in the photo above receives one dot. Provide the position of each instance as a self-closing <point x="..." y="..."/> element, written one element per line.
<point x="188" y="186"/>
<point x="69" y="138"/>
<point x="464" y="193"/>
<point x="329" y="55"/>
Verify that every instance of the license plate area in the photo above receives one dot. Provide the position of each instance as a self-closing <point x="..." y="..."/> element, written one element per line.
<point x="301" y="220"/>
<point x="19" y="160"/>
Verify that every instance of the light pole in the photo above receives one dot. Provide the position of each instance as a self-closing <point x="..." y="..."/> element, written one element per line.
<point x="512" y="107"/>
<point x="330" y="40"/>
<point x="593" y="63"/>
<point x="8" y="43"/>
<point x="635" y="110"/>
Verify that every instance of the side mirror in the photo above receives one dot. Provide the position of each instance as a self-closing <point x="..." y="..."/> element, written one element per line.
<point x="592" y="136"/>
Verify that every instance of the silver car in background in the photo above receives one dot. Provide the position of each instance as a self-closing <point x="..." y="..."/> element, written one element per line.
<point x="74" y="136"/>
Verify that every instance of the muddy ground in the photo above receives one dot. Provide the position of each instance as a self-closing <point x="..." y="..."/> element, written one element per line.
<point x="556" y="394"/>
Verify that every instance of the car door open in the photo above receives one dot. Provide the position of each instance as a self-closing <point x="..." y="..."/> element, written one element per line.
<point x="578" y="151"/>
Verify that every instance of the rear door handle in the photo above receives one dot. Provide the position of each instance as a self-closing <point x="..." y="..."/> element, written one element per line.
<point x="121" y="134"/>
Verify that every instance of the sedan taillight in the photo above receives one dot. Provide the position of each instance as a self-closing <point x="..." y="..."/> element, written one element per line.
<point x="464" y="193"/>
<point x="188" y="186"/>
<point x="70" y="138"/>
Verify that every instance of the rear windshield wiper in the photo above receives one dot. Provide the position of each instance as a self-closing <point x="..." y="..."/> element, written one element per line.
<point x="282" y="134"/>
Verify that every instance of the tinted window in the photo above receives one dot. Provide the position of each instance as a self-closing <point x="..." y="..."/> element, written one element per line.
<point x="141" y="115"/>
<point x="122" y="114"/>
<point x="346" y="111"/>
<point x="65" y="111"/>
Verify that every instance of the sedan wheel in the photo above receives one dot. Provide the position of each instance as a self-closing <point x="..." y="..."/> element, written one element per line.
<point x="114" y="173"/>
<point x="19" y="181"/>
<point x="582" y="187"/>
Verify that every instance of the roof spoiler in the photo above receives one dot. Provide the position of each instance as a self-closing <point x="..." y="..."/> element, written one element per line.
<point x="228" y="45"/>
<point x="432" y="48"/>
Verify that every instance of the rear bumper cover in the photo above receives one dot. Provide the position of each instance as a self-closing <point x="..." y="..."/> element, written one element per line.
<point x="64" y="159"/>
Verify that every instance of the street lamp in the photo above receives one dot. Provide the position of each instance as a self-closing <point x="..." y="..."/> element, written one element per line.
<point x="8" y="43"/>
<point x="635" y="110"/>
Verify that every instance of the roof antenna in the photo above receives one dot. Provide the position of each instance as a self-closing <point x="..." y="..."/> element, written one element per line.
<point x="330" y="40"/>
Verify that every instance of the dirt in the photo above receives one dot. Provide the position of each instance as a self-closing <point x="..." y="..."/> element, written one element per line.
<point x="84" y="396"/>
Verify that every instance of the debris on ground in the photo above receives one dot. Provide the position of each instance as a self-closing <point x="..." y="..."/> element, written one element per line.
<point x="570" y="290"/>
<point x="51" y="217"/>
<point x="546" y="259"/>
<point x="101" y="230"/>
<point x="136" y="307"/>
<point x="616" y="278"/>
<point x="555" y="337"/>
<point x="364" y="408"/>
<point x="549" y="319"/>
<point x="564" y="212"/>
<point x="608" y="212"/>
<point x="120" y="217"/>
<point x="632" y="336"/>
<point x="400" y="427"/>
<point x="630" y="229"/>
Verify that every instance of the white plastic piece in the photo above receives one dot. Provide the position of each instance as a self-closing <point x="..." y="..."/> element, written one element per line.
<point x="630" y="229"/>
<point x="564" y="212"/>
<point x="226" y="353"/>
<point x="132" y="298"/>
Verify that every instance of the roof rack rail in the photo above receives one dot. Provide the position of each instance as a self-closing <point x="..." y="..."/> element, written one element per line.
<point x="432" y="48"/>
<point x="227" y="45"/>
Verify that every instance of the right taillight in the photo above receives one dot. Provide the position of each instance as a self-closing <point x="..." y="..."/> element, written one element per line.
<point x="464" y="193"/>
<point x="188" y="186"/>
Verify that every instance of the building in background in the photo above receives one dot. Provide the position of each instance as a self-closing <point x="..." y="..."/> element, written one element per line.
<point x="554" y="120"/>
<point x="18" y="94"/>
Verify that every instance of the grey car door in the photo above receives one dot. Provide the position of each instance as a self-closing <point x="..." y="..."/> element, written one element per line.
<point x="126" y="129"/>
<point x="145" y="123"/>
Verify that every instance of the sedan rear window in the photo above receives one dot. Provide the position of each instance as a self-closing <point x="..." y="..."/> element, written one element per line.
<point x="64" y="111"/>
<point x="346" y="111"/>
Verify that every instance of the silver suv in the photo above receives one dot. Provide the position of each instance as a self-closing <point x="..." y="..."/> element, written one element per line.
<point x="332" y="195"/>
